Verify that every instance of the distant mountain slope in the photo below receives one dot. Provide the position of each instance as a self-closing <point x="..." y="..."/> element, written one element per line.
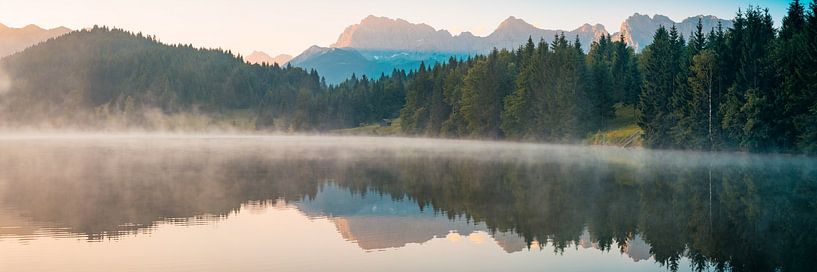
<point x="258" y="57"/>
<point x="639" y="29"/>
<point x="338" y="64"/>
<point x="101" y="76"/>
<point x="335" y="64"/>
<point x="14" y="40"/>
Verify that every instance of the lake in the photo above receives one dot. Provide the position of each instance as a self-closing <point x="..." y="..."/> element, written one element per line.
<point x="84" y="202"/>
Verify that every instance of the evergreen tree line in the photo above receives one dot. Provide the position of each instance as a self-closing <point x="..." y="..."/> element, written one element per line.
<point x="99" y="77"/>
<point x="88" y="77"/>
<point x="551" y="92"/>
<point x="751" y="87"/>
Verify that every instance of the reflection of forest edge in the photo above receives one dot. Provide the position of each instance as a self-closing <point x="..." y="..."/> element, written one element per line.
<point x="747" y="214"/>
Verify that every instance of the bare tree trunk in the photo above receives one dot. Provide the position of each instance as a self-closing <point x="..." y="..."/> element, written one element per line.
<point x="709" y="97"/>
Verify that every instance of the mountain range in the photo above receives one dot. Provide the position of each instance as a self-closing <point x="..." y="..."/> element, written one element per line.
<point x="13" y="40"/>
<point x="377" y="45"/>
<point x="381" y="33"/>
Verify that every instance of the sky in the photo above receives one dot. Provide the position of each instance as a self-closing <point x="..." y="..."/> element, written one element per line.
<point x="278" y="26"/>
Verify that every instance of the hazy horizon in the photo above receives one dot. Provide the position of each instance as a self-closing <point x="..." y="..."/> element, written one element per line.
<point x="279" y="27"/>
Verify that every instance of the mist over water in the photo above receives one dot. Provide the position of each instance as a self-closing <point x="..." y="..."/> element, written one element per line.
<point x="395" y="201"/>
<point x="5" y="81"/>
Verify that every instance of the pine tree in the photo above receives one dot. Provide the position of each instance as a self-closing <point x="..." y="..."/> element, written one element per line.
<point x="438" y="108"/>
<point x="697" y="40"/>
<point x="681" y="131"/>
<point x="556" y="113"/>
<point x="626" y="77"/>
<point x="693" y="99"/>
<point x="518" y="113"/>
<point x="701" y="108"/>
<point x="544" y="97"/>
<point x="748" y="109"/>
<point x="414" y="115"/>
<point x="732" y="119"/>
<point x="576" y="84"/>
<point x="600" y="89"/>
<point x="654" y="102"/>
<point x="486" y="85"/>
<point x="807" y="140"/>
<point x="792" y="103"/>
<point x="455" y="125"/>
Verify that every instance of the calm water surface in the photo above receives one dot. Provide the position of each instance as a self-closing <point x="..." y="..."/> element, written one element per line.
<point x="286" y="203"/>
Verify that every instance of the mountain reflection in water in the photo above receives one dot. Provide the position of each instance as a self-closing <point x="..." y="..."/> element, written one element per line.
<point x="680" y="211"/>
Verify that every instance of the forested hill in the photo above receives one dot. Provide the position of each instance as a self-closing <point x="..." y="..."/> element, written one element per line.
<point x="102" y="77"/>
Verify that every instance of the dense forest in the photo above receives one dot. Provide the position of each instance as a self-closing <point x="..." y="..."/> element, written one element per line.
<point x="111" y="78"/>
<point x="751" y="87"/>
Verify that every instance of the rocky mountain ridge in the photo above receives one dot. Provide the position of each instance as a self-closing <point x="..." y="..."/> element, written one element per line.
<point x="377" y="45"/>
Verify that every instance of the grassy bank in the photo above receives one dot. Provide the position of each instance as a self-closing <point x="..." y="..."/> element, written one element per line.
<point x="392" y="129"/>
<point x="622" y="131"/>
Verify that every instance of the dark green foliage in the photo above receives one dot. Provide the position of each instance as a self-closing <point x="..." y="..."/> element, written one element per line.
<point x="359" y="101"/>
<point x="519" y="106"/>
<point x="750" y="88"/>
<point x="486" y="85"/>
<point x="807" y="75"/>
<point x="100" y="77"/>
<point x="601" y="85"/>
<point x="794" y="62"/>
<point x="79" y="75"/>
<point x="748" y="108"/>
<point x="414" y="115"/>
<point x="679" y="56"/>
<point x="626" y="76"/>
<point x="540" y="91"/>
<point x="702" y="107"/>
<point x="659" y="70"/>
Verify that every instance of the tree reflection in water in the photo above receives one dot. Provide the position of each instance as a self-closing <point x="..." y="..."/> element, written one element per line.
<point x="727" y="211"/>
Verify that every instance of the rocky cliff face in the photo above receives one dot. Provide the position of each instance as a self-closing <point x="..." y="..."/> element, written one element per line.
<point x="381" y="33"/>
<point x="514" y="32"/>
<point x="385" y="33"/>
<point x="13" y="40"/>
<point x="639" y="29"/>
